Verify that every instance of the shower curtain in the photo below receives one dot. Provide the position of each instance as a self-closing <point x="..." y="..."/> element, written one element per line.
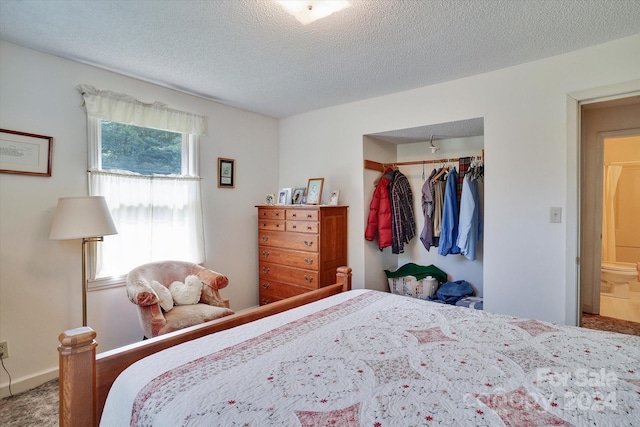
<point x="611" y="177"/>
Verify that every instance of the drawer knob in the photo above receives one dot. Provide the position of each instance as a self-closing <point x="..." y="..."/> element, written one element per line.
<point x="294" y="226"/>
<point x="294" y="215"/>
<point x="266" y="285"/>
<point x="308" y="227"/>
<point x="277" y="213"/>
<point x="265" y="270"/>
<point x="307" y="243"/>
<point x="264" y="301"/>
<point x="265" y="254"/>
<point x="308" y="279"/>
<point x="277" y="225"/>
<point x="265" y="238"/>
<point x="308" y="215"/>
<point x="308" y="261"/>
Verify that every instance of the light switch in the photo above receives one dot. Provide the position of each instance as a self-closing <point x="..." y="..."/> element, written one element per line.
<point x="555" y="214"/>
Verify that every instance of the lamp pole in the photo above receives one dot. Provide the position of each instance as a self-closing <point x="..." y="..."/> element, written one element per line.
<point x="86" y="240"/>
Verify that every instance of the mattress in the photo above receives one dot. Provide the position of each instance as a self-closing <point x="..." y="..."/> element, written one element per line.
<point x="367" y="358"/>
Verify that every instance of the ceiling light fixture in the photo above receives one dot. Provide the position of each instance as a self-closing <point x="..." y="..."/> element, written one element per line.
<point x="307" y="11"/>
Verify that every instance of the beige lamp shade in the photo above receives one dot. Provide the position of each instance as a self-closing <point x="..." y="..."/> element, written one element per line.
<point x="79" y="217"/>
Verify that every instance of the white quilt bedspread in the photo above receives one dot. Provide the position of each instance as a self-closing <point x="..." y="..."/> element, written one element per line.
<point x="366" y="358"/>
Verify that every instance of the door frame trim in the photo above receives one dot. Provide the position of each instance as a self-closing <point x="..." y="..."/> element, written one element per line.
<point x="575" y="100"/>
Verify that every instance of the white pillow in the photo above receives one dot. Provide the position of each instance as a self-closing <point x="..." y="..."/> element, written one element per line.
<point x="166" y="300"/>
<point x="187" y="292"/>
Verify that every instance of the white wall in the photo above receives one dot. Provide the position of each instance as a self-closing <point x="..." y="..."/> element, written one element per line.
<point x="529" y="158"/>
<point x="40" y="290"/>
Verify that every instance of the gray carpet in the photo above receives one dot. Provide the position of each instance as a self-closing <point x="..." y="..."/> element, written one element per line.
<point x="35" y="407"/>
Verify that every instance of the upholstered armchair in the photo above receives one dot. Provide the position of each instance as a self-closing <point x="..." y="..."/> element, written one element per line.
<point x="156" y="321"/>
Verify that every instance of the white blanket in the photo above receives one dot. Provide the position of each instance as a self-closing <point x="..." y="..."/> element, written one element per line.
<point x="366" y="358"/>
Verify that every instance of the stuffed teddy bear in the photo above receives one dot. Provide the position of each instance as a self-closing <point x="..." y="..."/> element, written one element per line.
<point x="188" y="292"/>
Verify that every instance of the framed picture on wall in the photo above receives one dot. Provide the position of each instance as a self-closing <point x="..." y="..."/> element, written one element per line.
<point x="226" y="173"/>
<point x="25" y="153"/>
<point x="314" y="191"/>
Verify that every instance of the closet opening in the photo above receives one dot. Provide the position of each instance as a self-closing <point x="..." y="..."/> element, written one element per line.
<point x="416" y="153"/>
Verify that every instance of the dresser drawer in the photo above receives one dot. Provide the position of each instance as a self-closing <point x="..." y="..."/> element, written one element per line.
<point x="302" y="226"/>
<point x="268" y="298"/>
<point x="300" y="259"/>
<point x="295" y="241"/>
<point x="271" y="224"/>
<point x="302" y="215"/>
<point x="280" y="273"/>
<point x="271" y="214"/>
<point x="271" y="291"/>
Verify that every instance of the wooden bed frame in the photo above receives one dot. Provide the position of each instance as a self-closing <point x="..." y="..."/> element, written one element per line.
<point x="85" y="380"/>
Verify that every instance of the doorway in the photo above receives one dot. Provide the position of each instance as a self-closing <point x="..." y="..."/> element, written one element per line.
<point x="600" y="122"/>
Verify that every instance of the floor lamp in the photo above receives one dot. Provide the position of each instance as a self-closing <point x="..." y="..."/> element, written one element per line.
<point x="85" y="218"/>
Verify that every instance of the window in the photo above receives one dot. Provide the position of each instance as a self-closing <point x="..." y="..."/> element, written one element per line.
<point x="149" y="179"/>
<point x="142" y="150"/>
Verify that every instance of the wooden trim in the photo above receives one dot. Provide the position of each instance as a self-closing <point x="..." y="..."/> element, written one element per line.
<point x="86" y="378"/>
<point x="377" y="166"/>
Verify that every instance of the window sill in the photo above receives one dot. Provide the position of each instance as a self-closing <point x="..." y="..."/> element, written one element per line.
<point x="106" y="283"/>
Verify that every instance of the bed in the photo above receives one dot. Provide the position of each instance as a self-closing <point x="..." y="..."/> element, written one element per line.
<point x="368" y="358"/>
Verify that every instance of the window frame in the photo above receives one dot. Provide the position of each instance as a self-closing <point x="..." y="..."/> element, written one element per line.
<point x="189" y="165"/>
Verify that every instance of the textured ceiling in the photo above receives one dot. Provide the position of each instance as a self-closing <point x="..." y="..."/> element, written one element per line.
<point x="252" y="55"/>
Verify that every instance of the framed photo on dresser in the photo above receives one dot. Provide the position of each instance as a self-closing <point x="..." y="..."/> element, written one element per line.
<point x="298" y="195"/>
<point x="314" y="191"/>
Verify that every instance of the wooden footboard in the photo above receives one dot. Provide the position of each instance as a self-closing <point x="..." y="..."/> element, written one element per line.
<point x="85" y="379"/>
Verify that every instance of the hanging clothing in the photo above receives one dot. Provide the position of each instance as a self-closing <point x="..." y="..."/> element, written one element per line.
<point x="449" y="233"/>
<point x="428" y="200"/>
<point x="464" y="163"/>
<point x="379" y="219"/>
<point x="438" y="203"/>
<point x="470" y="224"/>
<point x="403" y="223"/>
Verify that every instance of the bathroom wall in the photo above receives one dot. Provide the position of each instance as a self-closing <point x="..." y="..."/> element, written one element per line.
<point x="627" y="201"/>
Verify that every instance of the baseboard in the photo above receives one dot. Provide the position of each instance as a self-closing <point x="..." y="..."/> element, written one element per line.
<point x="27" y="383"/>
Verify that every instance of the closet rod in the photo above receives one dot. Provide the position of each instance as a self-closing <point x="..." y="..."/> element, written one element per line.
<point x="377" y="166"/>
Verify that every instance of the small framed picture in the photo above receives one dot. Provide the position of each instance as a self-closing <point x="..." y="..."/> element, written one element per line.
<point x="284" y="197"/>
<point x="226" y="173"/>
<point x="271" y="199"/>
<point x="298" y="195"/>
<point x="333" y="197"/>
<point x="25" y="153"/>
<point x="314" y="191"/>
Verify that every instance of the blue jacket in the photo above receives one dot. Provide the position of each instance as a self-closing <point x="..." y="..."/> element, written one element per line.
<point x="449" y="232"/>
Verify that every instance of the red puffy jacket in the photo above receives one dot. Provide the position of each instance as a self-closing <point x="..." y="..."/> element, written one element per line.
<point x="380" y="213"/>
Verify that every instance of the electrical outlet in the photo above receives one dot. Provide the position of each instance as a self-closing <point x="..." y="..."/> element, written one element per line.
<point x="4" y="349"/>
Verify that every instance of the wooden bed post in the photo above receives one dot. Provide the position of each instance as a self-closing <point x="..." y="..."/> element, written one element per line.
<point x="343" y="276"/>
<point x="77" y="380"/>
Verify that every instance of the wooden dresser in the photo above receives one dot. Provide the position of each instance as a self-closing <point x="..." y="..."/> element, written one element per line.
<point x="299" y="248"/>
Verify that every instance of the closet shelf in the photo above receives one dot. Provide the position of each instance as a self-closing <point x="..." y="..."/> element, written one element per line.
<point x="380" y="167"/>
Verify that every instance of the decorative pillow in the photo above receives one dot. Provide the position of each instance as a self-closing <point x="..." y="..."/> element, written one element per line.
<point x="166" y="300"/>
<point x="188" y="292"/>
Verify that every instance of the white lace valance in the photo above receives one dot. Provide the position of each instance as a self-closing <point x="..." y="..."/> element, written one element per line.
<point x="121" y="108"/>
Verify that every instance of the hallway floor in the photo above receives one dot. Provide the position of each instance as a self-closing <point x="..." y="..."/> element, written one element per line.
<point x="625" y="309"/>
